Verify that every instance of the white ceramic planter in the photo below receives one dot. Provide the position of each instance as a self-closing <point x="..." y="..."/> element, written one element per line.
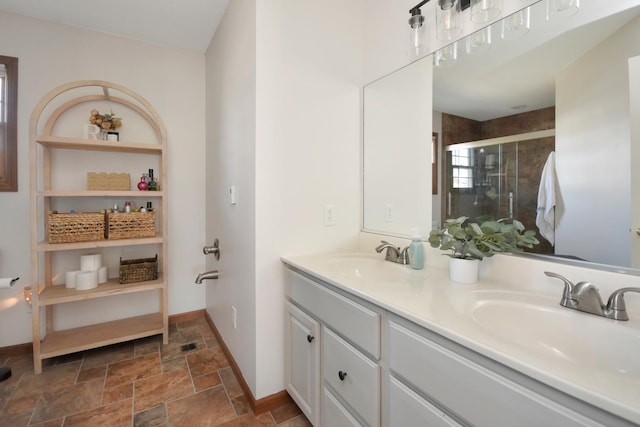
<point x="463" y="270"/>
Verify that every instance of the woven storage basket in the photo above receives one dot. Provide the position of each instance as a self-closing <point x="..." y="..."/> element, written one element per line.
<point x="76" y="227"/>
<point x="132" y="225"/>
<point x="138" y="270"/>
<point x="108" y="181"/>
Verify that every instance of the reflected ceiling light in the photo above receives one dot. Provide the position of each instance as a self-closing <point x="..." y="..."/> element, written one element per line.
<point x="448" y="19"/>
<point x="485" y="10"/>
<point x="447" y="56"/>
<point x="418" y="37"/>
<point x="479" y="42"/>
<point x="562" y="8"/>
<point x="516" y="25"/>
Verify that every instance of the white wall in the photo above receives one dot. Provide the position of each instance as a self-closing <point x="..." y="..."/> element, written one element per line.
<point x="397" y="128"/>
<point x="634" y="100"/>
<point x="230" y="160"/>
<point x="593" y="144"/>
<point x="172" y="81"/>
<point x="309" y="57"/>
<point x="296" y="152"/>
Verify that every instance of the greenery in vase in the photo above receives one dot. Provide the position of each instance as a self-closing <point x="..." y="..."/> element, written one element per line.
<point x="469" y="239"/>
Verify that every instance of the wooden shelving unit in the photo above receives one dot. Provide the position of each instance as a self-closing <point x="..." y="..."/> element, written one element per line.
<point x="43" y="143"/>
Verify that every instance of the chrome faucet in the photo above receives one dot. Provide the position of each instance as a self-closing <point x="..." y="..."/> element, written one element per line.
<point x="584" y="296"/>
<point x="213" y="274"/>
<point x="393" y="254"/>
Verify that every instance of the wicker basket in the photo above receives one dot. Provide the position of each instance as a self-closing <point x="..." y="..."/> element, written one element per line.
<point x="138" y="270"/>
<point x="76" y="227"/>
<point x="108" y="181"/>
<point x="132" y="225"/>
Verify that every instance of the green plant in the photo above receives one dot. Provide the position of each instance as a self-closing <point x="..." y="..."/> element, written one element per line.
<point x="469" y="239"/>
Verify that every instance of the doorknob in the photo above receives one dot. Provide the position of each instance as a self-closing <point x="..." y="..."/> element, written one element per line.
<point x="638" y="231"/>
<point x="213" y="249"/>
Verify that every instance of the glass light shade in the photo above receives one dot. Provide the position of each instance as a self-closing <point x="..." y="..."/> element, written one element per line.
<point x="447" y="56"/>
<point x="448" y="19"/>
<point x="562" y="8"/>
<point x="479" y="42"/>
<point x="485" y="10"/>
<point x="516" y="25"/>
<point x="27" y="294"/>
<point x="418" y="37"/>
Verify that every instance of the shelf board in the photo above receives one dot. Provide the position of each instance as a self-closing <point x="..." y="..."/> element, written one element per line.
<point x="87" y="337"/>
<point x="107" y="193"/>
<point x="52" y="247"/>
<point x="96" y="145"/>
<point x="60" y="294"/>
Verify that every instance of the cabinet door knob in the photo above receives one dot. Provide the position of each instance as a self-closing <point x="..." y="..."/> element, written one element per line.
<point x="310" y="338"/>
<point x="342" y="375"/>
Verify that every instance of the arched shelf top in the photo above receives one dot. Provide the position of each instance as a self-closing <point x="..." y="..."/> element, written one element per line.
<point x="108" y="93"/>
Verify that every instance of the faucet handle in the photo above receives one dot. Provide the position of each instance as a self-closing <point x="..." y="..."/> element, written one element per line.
<point x="567" y="295"/>
<point x="616" y="306"/>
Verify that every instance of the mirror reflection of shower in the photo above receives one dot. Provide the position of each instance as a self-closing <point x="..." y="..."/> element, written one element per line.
<point x="496" y="178"/>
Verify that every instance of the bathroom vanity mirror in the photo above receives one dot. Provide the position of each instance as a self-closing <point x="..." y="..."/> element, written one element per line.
<point x="586" y="69"/>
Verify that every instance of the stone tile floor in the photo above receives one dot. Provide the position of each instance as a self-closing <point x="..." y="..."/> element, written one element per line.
<point x="138" y="383"/>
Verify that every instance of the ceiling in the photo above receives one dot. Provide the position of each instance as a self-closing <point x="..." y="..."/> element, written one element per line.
<point x="185" y="24"/>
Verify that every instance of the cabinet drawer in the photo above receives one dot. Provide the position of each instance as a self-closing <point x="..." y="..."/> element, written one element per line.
<point x="471" y="391"/>
<point x="334" y="414"/>
<point x="352" y="375"/>
<point x="354" y="321"/>
<point x="406" y="408"/>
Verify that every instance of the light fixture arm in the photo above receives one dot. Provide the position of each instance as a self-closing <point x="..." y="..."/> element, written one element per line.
<point x="415" y="10"/>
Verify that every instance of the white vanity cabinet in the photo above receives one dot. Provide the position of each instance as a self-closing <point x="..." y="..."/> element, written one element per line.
<point x="388" y="360"/>
<point x="350" y="352"/>
<point x="454" y="384"/>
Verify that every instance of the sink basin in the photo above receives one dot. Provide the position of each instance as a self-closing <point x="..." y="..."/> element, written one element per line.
<point x="366" y="267"/>
<point x="538" y="324"/>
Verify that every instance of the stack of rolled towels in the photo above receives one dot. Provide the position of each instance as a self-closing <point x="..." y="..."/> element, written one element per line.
<point x="90" y="275"/>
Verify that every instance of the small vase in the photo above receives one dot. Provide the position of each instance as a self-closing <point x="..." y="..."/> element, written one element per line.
<point x="463" y="270"/>
<point x="142" y="185"/>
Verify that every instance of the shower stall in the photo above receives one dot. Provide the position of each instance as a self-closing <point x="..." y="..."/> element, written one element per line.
<point x="497" y="178"/>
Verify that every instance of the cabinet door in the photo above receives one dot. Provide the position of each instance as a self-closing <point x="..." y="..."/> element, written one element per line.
<point x="303" y="361"/>
<point x="334" y="414"/>
<point x="406" y="408"/>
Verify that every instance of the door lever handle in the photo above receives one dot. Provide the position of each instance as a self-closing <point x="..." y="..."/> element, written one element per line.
<point x="213" y="249"/>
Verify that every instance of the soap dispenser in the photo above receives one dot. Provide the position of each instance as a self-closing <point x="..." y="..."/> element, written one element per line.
<point x="416" y="250"/>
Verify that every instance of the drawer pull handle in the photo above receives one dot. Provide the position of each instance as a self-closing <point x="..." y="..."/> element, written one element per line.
<point x="310" y="338"/>
<point x="342" y="375"/>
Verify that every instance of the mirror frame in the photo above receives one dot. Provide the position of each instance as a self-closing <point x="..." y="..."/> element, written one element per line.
<point x="9" y="150"/>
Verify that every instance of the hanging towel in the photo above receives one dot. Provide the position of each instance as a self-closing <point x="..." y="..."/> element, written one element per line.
<point x="545" y="217"/>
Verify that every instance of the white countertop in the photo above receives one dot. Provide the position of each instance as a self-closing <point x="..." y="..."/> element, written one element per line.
<point x="428" y="298"/>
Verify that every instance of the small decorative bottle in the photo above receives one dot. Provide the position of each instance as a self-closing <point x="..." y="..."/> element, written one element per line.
<point x="142" y="185"/>
<point x="416" y="251"/>
<point x="127" y="207"/>
<point x="152" y="181"/>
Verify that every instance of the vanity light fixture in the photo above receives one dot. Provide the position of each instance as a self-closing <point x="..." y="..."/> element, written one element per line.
<point x="446" y="56"/>
<point x="448" y="19"/>
<point x="485" y="10"/>
<point x="448" y="25"/>
<point x="418" y="37"/>
<point x="479" y="42"/>
<point x="562" y="8"/>
<point x="27" y="294"/>
<point x="516" y="25"/>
